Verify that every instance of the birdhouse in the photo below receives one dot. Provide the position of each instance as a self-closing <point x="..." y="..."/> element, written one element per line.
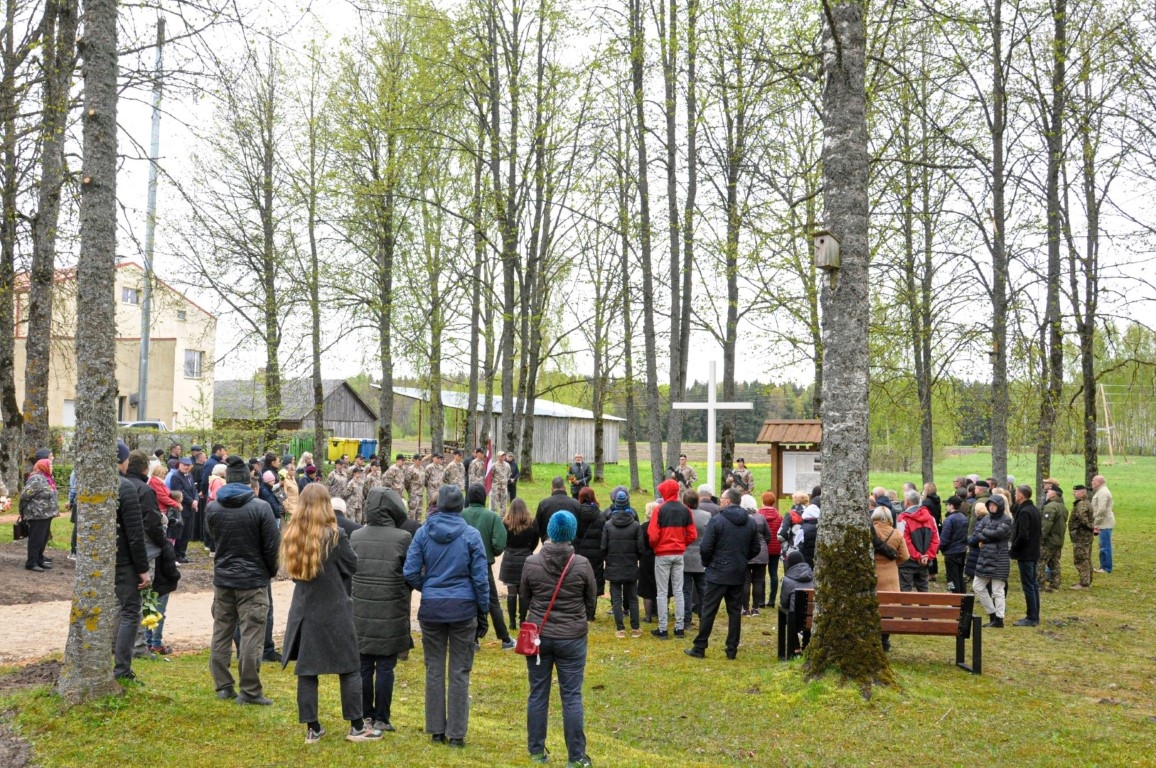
<point x="826" y="251"/>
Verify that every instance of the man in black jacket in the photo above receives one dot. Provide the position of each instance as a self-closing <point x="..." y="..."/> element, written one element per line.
<point x="728" y="544"/>
<point x="132" y="567"/>
<point x="247" y="542"/>
<point x="579" y="475"/>
<point x="555" y="502"/>
<point x="1025" y="549"/>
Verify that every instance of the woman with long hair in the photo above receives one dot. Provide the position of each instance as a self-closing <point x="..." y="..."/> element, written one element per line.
<point x="588" y="542"/>
<point x="521" y="541"/>
<point x="320" y="634"/>
<point x="38" y="506"/>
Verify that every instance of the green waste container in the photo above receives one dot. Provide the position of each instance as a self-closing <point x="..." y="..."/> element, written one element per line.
<point x="300" y="445"/>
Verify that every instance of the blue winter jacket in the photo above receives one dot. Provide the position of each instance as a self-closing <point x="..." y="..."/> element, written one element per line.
<point x="446" y="562"/>
<point x="953" y="537"/>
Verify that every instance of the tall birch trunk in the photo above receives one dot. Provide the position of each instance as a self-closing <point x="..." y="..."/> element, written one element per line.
<point x="846" y="633"/>
<point x="87" y="671"/>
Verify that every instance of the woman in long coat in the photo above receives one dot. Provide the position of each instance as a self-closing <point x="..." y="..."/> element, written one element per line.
<point x="890" y="551"/>
<point x="320" y="634"/>
<point x="381" y="601"/>
<point x="39" y="504"/>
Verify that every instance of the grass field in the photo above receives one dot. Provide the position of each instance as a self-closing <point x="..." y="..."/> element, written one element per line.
<point x="1077" y="691"/>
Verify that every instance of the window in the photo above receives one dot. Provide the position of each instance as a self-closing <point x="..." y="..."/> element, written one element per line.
<point x="194" y="362"/>
<point x="130" y="295"/>
<point x="182" y="315"/>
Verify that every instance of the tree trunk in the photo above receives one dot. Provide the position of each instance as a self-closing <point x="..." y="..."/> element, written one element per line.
<point x="87" y="671"/>
<point x="1053" y="318"/>
<point x="12" y="429"/>
<point x="689" y="206"/>
<point x="479" y="240"/>
<point x="846" y="633"/>
<point x="1000" y="398"/>
<point x="624" y="229"/>
<point x="653" y="423"/>
<point x="58" y="46"/>
<point x="270" y="262"/>
<point x="386" y="242"/>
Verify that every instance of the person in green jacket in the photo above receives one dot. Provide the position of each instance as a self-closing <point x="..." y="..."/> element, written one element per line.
<point x="1053" y="524"/>
<point x="489" y="525"/>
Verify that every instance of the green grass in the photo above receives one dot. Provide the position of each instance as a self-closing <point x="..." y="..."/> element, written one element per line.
<point x="1077" y="691"/>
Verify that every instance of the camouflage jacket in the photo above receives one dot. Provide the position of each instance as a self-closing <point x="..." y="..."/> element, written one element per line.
<point x="455" y="474"/>
<point x="394" y="478"/>
<point x="1080" y="522"/>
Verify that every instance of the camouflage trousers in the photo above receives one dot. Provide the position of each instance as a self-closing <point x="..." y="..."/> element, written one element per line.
<point x="499" y="499"/>
<point x="415" y="507"/>
<point x="1048" y="567"/>
<point x="1082" y="557"/>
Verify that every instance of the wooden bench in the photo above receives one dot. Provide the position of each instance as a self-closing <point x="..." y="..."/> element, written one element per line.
<point x="900" y="613"/>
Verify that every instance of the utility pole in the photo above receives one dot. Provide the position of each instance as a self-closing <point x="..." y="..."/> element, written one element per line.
<point x="150" y="230"/>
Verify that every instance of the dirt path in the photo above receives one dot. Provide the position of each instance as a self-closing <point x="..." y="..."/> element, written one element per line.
<point x="34" y="607"/>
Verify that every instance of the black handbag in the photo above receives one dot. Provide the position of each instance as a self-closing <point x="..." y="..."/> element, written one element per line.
<point x="19" y="529"/>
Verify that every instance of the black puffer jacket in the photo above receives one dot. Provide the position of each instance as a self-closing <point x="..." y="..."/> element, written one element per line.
<point x="622" y="543"/>
<point x="995" y="531"/>
<point x="729" y="543"/>
<point x="154" y="529"/>
<point x="381" y="598"/>
<point x="519" y="546"/>
<point x="130" y="539"/>
<point x="247" y="538"/>
<point x="588" y="540"/>
<point x="577" y="600"/>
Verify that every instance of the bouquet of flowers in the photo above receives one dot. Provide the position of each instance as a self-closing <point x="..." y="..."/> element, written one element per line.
<point x="5" y="503"/>
<point x="571" y="479"/>
<point x="150" y="614"/>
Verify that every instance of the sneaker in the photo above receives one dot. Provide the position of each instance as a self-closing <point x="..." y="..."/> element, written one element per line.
<point x="620" y="634"/>
<point x="130" y="679"/>
<point x="312" y="736"/>
<point x="163" y="650"/>
<point x="745" y="612"/>
<point x="695" y="653"/>
<point x="365" y="734"/>
<point x="384" y="727"/>
<point x="260" y="701"/>
<point x="755" y="612"/>
<point x="1025" y="622"/>
<point x="540" y="757"/>
<point x="226" y="693"/>
<point x="72" y="557"/>
<point x="636" y="633"/>
<point x="680" y="633"/>
<point x="1080" y="586"/>
<point x="582" y="762"/>
<point x="508" y="644"/>
<point x="661" y="634"/>
<point x="1099" y="570"/>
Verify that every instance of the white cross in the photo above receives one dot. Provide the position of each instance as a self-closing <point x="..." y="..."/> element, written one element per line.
<point x="712" y="406"/>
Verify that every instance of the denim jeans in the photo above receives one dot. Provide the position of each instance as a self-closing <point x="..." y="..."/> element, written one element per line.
<point x="156" y="637"/>
<point x="1106" y="549"/>
<point x="668" y="575"/>
<point x="773" y="575"/>
<point x="693" y="592"/>
<point x="448" y="711"/>
<point x="377" y="696"/>
<point x="623" y="600"/>
<point x="569" y="658"/>
<point x="1031" y="588"/>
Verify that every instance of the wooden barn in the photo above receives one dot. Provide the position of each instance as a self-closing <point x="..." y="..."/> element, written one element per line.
<point x="560" y="430"/>
<point x="241" y="403"/>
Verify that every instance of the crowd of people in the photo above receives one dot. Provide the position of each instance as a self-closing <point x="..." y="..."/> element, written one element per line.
<point x="358" y="541"/>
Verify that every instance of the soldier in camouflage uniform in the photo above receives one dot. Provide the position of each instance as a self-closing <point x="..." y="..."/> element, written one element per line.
<point x="455" y="473"/>
<point x="1080" y="529"/>
<point x="355" y="501"/>
<point x="499" y="487"/>
<point x="394" y="477"/>
<point x="685" y="475"/>
<point x="434" y="477"/>
<point x="478" y="468"/>
<point x="415" y="486"/>
<point x="744" y="476"/>
<point x="337" y="481"/>
<point x="1053" y="522"/>
<point x="373" y="476"/>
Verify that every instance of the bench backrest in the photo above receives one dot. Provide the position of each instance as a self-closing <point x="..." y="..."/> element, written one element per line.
<point x="906" y="613"/>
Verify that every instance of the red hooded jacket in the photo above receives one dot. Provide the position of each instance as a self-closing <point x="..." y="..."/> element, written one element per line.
<point x="920" y="525"/>
<point x="671" y="528"/>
